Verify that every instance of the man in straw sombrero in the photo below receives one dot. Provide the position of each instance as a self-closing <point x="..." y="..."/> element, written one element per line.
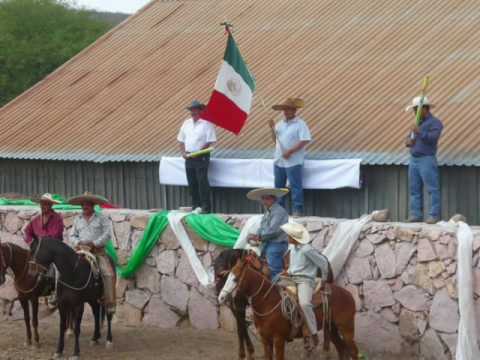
<point x="291" y="135"/>
<point x="304" y="261"/>
<point x="423" y="166"/>
<point x="47" y="224"/>
<point x="273" y="240"/>
<point x="92" y="231"/>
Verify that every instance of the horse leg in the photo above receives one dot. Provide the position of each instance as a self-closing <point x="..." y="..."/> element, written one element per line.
<point x="96" y="316"/>
<point x="240" y="335"/>
<point x="26" y="317"/>
<point x="63" y="326"/>
<point x="337" y="340"/>
<point x="348" y="332"/>
<point x="279" y="344"/>
<point x="77" y="317"/>
<point x="242" y="328"/>
<point x="267" y="348"/>
<point x="109" y="342"/>
<point x="36" y="337"/>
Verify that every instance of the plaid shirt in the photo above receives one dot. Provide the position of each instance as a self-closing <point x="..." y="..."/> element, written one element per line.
<point x="95" y="231"/>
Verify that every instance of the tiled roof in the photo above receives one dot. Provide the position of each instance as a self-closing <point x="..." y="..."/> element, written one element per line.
<point x="356" y="64"/>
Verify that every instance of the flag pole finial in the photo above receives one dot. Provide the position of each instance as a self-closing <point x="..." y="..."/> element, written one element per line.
<point x="228" y="27"/>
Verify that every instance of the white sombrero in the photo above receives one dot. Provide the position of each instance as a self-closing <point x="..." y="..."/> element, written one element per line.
<point x="47" y="197"/>
<point x="416" y="103"/>
<point x="298" y="232"/>
<point x="257" y="194"/>
<point x="87" y="197"/>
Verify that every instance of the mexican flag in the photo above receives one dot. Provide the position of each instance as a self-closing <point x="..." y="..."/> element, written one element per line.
<point x="232" y="97"/>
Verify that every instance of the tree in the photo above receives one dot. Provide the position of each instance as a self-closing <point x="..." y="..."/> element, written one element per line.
<point x="36" y="37"/>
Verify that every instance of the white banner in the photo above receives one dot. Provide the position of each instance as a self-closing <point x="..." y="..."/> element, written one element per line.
<point x="254" y="173"/>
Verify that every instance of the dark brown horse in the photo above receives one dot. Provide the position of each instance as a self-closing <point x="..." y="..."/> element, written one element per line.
<point x="237" y="304"/>
<point x="29" y="287"/>
<point x="246" y="279"/>
<point x="77" y="285"/>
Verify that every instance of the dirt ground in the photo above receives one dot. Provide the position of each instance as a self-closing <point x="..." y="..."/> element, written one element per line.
<point x="129" y="343"/>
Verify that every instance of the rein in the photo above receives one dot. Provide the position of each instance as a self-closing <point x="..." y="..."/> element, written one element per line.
<point x="43" y="270"/>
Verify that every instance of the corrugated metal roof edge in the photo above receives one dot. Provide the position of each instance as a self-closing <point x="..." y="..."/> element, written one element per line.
<point x="368" y="158"/>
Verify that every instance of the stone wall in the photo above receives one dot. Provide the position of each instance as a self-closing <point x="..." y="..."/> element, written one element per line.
<point x="403" y="279"/>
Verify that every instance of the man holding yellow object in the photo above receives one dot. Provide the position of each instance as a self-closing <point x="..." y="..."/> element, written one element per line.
<point x="196" y="135"/>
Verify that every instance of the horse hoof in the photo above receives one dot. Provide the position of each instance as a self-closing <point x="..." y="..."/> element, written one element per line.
<point x="57" y="356"/>
<point x="109" y="345"/>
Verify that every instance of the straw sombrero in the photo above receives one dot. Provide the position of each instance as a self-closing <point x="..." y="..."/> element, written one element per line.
<point x="298" y="232"/>
<point x="290" y="103"/>
<point x="87" y="197"/>
<point x="258" y="193"/>
<point x="47" y="197"/>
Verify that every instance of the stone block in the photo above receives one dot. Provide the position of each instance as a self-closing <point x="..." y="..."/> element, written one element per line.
<point x="148" y="278"/>
<point x="202" y="313"/>
<point x="174" y="293"/>
<point x="140" y="221"/>
<point x="413" y="298"/>
<point x="431" y="347"/>
<point x="406" y="234"/>
<point x="435" y="268"/>
<point x="404" y="252"/>
<point x="442" y="251"/>
<point x="377" y="294"/>
<point x="7" y="290"/>
<point x="389" y="315"/>
<point x="137" y="298"/>
<point x="425" y="251"/>
<point x="117" y="217"/>
<point x="378" y="335"/>
<point x="159" y="314"/>
<point x="27" y="215"/>
<point x="184" y="270"/>
<point x="12" y="222"/>
<point x="167" y="262"/>
<point x="14" y="239"/>
<point x="376" y="238"/>
<point x="365" y="248"/>
<point x="444" y="313"/>
<point x="451" y="341"/>
<point x="168" y="240"/>
<point x="422" y="279"/>
<point x="122" y="233"/>
<point x="129" y="314"/>
<point x="359" y="270"/>
<point x="122" y="286"/>
<point x="408" y="326"/>
<point x="226" y="319"/>
<point x="137" y="236"/>
<point x="385" y="258"/>
<point x="352" y="289"/>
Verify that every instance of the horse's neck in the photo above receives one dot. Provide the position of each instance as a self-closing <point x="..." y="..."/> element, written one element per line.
<point x="266" y="293"/>
<point x="66" y="260"/>
<point x="16" y="258"/>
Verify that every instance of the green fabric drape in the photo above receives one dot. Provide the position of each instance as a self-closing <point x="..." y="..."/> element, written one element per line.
<point x="63" y="206"/>
<point x="213" y="229"/>
<point x="155" y="227"/>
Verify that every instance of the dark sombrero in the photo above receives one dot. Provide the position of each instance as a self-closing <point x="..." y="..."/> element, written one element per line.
<point x="87" y="197"/>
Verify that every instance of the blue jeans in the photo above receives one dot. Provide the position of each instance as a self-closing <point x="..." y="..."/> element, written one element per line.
<point x="424" y="170"/>
<point x="295" y="178"/>
<point x="274" y="252"/>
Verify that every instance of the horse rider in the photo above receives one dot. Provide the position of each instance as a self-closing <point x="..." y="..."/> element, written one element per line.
<point x="47" y="224"/>
<point x="91" y="231"/>
<point x="304" y="261"/>
<point x="269" y="235"/>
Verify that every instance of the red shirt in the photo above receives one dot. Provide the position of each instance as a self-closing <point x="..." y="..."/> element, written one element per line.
<point x="52" y="229"/>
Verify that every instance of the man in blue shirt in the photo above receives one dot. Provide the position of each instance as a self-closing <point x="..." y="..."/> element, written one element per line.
<point x="291" y="135"/>
<point x="423" y="167"/>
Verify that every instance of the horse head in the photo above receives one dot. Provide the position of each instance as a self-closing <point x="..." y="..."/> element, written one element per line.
<point x="236" y="279"/>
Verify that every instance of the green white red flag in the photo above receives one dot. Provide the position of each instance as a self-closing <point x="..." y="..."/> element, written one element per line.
<point x="232" y="97"/>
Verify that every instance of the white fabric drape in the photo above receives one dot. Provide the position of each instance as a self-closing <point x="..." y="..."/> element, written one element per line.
<point x="251" y="173"/>
<point x="467" y="346"/>
<point x="175" y="221"/>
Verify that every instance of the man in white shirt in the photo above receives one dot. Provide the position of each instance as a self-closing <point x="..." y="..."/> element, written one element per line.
<point x="195" y="135"/>
<point x="291" y="135"/>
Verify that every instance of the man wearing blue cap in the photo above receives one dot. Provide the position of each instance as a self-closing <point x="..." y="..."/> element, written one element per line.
<point x="197" y="134"/>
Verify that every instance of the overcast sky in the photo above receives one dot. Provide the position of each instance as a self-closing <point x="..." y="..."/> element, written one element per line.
<point x="124" y="6"/>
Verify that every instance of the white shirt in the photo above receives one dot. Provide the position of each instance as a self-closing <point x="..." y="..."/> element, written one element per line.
<point x="97" y="230"/>
<point x="195" y="134"/>
<point x="290" y="133"/>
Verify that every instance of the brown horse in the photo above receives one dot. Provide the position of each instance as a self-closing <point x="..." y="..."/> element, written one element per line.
<point x="29" y="287"/>
<point x="246" y="279"/>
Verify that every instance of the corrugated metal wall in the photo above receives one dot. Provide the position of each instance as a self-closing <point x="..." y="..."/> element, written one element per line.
<point x="135" y="185"/>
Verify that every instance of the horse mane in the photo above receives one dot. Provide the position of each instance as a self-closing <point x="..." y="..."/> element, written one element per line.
<point x="15" y="247"/>
<point x="227" y="259"/>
